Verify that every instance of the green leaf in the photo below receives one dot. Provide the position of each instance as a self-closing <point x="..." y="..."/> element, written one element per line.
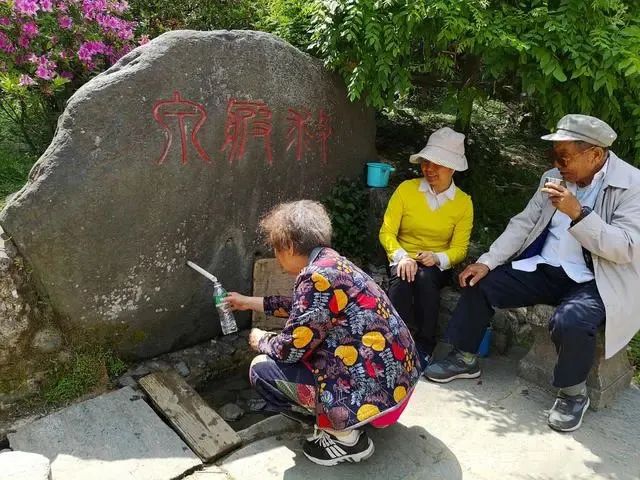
<point x="559" y="74"/>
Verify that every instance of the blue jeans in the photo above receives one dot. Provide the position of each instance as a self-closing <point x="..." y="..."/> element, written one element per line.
<point x="573" y="326"/>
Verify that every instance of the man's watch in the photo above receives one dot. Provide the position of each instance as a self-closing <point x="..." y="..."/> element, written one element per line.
<point x="584" y="211"/>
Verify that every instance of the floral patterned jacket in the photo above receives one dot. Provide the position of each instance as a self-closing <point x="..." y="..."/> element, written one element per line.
<point x="343" y="327"/>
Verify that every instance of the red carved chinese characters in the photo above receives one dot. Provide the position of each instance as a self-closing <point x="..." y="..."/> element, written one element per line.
<point x="298" y="133"/>
<point x="181" y="109"/>
<point x="246" y="118"/>
<point x="324" y="133"/>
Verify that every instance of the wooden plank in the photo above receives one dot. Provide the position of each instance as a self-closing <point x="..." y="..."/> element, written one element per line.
<point x="199" y="425"/>
<point x="270" y="279"/>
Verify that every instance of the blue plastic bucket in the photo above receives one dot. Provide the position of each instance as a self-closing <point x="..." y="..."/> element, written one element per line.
<point x="378" y="174"/>
<point x="485" y="345"/>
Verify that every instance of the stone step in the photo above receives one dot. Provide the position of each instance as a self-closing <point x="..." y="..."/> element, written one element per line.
<point x="116" y="436"/>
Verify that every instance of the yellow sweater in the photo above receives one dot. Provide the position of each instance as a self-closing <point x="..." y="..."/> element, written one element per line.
<point x="411" y="224"/>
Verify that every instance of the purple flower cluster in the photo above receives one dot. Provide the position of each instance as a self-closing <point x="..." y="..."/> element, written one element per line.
<point x="65" y="22"/>
<point x="90" y="49"/>
<point x="26" y="7"/>
<point x="45" y="67"/>
<point x="5" y="43"/>
<point x="110" y="23"/>
<point x="45" y="40"/>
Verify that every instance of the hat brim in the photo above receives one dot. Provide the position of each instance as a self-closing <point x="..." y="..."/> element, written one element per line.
<point x="441" y="157"/>
<point x="570" y="137"/>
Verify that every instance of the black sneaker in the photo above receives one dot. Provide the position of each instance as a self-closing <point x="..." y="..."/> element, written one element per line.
<point x="325" y="449"/>
<point x="452" y="367"/>
<point x="567" y="412"/>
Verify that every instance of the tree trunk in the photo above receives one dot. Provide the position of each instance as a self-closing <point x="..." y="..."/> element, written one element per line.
<point x="465" y="98"/>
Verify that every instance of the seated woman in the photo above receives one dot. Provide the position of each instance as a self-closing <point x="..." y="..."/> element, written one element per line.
<point x="426" y="231"/>
<point x="344" y="355"/>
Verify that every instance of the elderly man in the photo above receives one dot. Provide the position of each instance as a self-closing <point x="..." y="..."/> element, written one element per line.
<point x="575" y="245"/>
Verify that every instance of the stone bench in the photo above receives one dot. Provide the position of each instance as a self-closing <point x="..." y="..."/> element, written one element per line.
<point x="606" y="379"/>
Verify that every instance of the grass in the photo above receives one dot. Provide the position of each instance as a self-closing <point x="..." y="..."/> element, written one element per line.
<point x="90" y="369"/>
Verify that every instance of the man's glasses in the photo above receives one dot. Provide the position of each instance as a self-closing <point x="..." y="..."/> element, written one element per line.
<point x="564" y="160"/>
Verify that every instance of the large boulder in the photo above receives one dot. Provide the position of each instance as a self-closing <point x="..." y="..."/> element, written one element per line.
<point x="174" y="154"/>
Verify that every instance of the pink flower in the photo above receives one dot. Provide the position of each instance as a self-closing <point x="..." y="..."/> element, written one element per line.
<point x="26" y="80"/>
<point x="65" y="22"/>
<point x="5" y="43"/>
<point x="46" y="68"/>
<point x="119" y="7"/>
<point x="91" y="8"/>
<point x="33" y="58"/>
<point x="30" y="29"/>
<point x="26" y="7"/>
<point x="62" y="7"/>
<point x="92" y="48"/>
<point x="46" y="5"/>
<point x="5" y="22"/>
<point x="143" y="40"/>
<point x="67" y="75"/>
<point x="24" y="42"/>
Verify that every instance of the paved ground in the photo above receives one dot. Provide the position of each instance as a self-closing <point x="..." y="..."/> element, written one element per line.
<point x="489" y="429"/>
<point x="115" y="436"/>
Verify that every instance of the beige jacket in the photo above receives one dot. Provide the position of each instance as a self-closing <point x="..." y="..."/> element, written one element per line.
<point x="611" y="233"/>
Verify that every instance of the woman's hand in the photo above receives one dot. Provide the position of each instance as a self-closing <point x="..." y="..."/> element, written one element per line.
<point x="428" y="259"/>
<point x="237" y="301"/>
<point x="254" y="338"/>
<point x="407" y="268"/>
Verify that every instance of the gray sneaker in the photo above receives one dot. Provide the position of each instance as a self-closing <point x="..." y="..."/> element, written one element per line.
<point x="452" y="367"/>
<point x="567" y="412"/>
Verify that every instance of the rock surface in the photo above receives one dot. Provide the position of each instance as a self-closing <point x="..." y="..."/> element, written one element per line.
<point x="111" y="437"/>
<point x="174" y="154"/>
<point x="231" y="412"/>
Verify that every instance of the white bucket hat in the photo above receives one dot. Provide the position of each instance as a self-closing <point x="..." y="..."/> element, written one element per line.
<point x="445" y="147"/>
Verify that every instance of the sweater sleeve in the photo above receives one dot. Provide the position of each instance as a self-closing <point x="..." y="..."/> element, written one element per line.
<point x="391" y="224"/>
<point x="308" y="322"/>
<point x="459" y="244"/>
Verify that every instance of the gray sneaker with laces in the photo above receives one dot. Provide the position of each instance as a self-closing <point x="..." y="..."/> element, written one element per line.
<point x="567" y="412"/>
<point x="452" y="367"/>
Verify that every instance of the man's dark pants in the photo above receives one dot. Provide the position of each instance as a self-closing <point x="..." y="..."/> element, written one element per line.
<point x="573" y="326"/>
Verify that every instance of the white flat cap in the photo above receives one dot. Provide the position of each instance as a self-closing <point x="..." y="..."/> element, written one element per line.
<point x="583" y="128"/>
<point x="444" y="147"/>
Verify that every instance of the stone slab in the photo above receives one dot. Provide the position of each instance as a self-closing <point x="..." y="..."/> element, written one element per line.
<point x="198" y="424"/>
<point x="483" y="429"/>
<point x="116" y="436"/>
<point x="174" y="154"/>
<point x="270" y="279"/>
<point x="24" y="466"/>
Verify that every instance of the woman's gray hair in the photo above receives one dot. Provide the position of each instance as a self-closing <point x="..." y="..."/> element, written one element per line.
<point x="301" y="225"/>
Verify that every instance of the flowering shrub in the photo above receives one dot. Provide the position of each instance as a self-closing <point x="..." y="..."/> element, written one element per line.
<point x="48" y="48"/>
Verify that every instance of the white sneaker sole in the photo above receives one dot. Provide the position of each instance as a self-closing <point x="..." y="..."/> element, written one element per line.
<point x="354" y="458"/>
<point x="573" y="429"/>
<point x="455" y="377"/>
